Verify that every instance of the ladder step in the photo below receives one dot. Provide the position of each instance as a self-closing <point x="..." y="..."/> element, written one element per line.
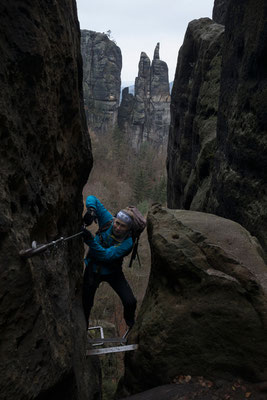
<point x="107" y="350"/>
<point x="107" y="340"/>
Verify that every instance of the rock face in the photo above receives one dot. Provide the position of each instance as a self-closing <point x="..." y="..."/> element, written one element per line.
<point x="204" y="312"/>
<point x="219" y="11"/>
<point x="194" y="108"/>
<point x="145" y="116"/>
<point x="44" y="163"/>
<point x="237" y="188"/>
<point x="102" y="64"/>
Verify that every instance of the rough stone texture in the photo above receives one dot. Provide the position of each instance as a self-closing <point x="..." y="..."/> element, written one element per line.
<point x="102" y="63"/>
<point x="45" y="160"/>
<point x="238" y="188"/>
<point x="204" y="312"/>
<point x="146" y="115"/>
<point x="219" y="11"/>
<point x="194" y="107"/>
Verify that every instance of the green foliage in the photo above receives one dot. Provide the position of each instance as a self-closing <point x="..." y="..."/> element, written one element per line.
<point x="123" y="176"/>
<point x="160" y="191"/>
<point x="143" y="207"/>
<point x="118" y="141"/>
<point x="141" y="186"/>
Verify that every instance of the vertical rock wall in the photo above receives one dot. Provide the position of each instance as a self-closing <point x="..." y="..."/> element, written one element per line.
<point x="145" y="116"/>
<point x="102" y="63"/>
<point x="237" y="187"/>
<point x="219" y="11"/>
<point x="194" y="107"/>
<point x="45" y="161"/>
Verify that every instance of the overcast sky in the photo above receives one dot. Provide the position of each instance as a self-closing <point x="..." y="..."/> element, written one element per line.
<point x="138" y="25"/>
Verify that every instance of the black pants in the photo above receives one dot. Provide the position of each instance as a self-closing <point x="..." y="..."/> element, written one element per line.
<point x="117" y="281"/>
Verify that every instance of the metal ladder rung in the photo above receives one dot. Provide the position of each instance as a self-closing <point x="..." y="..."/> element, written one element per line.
<point x="107" y="340"/>
<point x="116" y="349"/>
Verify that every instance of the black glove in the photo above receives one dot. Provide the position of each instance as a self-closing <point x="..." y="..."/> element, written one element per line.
<point x="87" y="235"/>
<point x="89" y="216"/>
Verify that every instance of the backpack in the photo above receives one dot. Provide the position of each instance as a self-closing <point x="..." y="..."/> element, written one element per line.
<point x="139" y="224"/>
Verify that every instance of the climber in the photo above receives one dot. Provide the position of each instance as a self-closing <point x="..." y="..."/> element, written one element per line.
<point x="104" y="259"/>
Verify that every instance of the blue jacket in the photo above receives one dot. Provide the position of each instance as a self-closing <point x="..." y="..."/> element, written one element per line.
<point x="105" y="251"/>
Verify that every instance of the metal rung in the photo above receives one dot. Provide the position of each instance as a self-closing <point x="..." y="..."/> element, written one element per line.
<point x="107" y="340"/>
<point x="107" y="350"/>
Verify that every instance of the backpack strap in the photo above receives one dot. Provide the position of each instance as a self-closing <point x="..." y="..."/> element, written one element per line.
<point x="135" y="253"/>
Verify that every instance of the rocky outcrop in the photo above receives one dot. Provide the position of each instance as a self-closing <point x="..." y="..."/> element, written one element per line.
<point x="208" y="285"/>
<point x="194" y="107"/>
<point x="219" y="11"/>
<point x="145" y="116"/>
<point x="45" y="161"/>
<point x="102" y="63"/>
<point x="237" y="188"/>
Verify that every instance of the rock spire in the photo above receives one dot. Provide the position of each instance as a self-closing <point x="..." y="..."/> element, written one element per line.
<point x="148" y="111"/>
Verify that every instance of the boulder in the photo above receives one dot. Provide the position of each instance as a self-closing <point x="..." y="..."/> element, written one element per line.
<point x="45" y="161"/>
<point x="205" y="308"/>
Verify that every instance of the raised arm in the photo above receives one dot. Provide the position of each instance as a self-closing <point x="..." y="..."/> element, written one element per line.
<point x="103" y="215"/>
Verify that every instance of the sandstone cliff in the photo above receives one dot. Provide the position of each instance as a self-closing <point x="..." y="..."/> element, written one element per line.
<point x="45" y="161"/>
<point x="102" y="64"/>
<point x="235" y="170"/>
<point x="204" y="312"/>
<point x="194" y="108"/>
<point x="145" y="116"/>
<point x="219" y="11"/>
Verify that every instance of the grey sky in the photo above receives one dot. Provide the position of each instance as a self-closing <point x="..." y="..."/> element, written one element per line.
<point x="138" y="25"/>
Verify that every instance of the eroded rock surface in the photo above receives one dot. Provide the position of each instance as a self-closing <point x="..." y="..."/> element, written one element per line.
<point x="45" y="160"/>
<point x="102" y="63"/>
<point x="204" y="312"/>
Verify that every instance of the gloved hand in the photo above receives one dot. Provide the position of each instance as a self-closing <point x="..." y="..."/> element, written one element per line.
<point x="89" y="216"/>
<point x="87" y="235"/>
